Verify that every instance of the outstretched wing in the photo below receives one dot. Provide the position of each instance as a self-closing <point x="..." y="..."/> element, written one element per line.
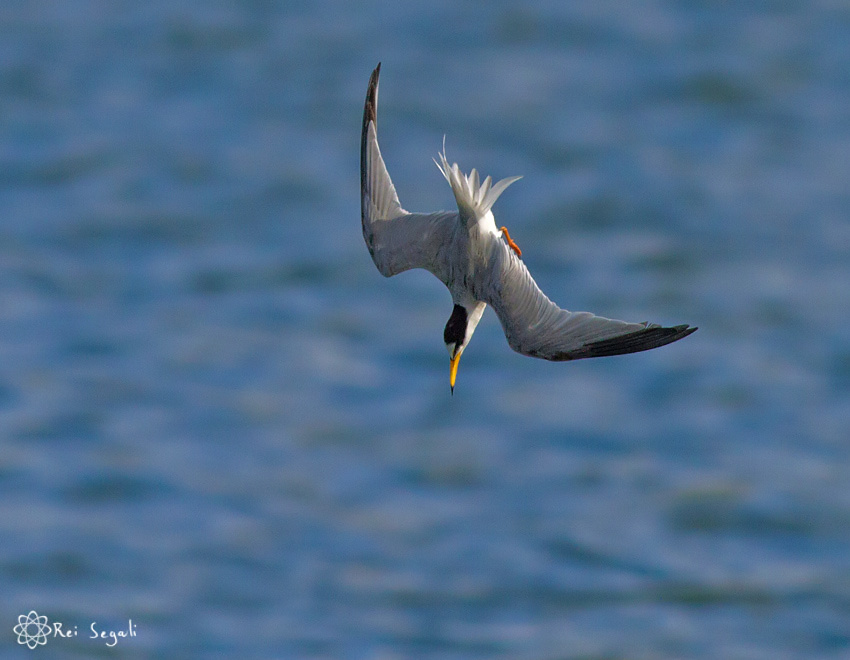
<point x="397" y="240"/>
<point x="536" y="326"/>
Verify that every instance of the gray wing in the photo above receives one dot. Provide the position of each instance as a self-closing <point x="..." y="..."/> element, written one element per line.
<point x="397" y="240"/>
<point x="536" y="326"/>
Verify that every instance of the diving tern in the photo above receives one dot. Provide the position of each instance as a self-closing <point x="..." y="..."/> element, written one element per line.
<point x="481" y="265"/>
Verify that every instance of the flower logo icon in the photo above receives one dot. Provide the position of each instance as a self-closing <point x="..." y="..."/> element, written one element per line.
<point x="32" y="629"/>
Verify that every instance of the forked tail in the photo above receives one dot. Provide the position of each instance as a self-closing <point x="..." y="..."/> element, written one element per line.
<point x="474" y="198"/>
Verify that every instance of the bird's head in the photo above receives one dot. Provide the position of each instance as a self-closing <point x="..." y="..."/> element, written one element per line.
<point x="458" y="332"/>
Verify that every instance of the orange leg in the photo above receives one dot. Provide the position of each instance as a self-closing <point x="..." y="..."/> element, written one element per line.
<point x="510" y="241"/>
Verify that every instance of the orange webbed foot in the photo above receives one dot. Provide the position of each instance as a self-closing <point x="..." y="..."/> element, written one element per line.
<point x="510" y="242"/>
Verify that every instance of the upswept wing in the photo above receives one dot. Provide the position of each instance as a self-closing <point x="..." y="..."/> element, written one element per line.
<point x="397" y="240"/>
<point x="536" y="326"/>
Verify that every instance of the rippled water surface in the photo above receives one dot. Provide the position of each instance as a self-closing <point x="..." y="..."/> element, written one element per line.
<point x="220" y="422"/>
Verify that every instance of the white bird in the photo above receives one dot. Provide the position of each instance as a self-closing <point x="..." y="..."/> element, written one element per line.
<point x="481" y="265"/>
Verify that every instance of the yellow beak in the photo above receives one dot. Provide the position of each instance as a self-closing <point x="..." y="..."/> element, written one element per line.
<point x="453" y="372"/>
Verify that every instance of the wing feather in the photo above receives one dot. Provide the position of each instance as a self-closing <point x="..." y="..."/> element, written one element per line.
<point x="397" y="240"/>
<point x="536" y="326"/>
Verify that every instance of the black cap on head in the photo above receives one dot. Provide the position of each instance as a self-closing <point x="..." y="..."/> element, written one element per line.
<point x="455" y="331"/>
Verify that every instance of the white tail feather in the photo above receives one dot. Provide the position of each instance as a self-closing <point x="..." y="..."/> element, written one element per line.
<point x="474" y="199"/>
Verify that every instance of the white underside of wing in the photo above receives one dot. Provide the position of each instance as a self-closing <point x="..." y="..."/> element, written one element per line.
<point x="532" y="323"/>
<point x="379" y="193"/>
<point x="398" y="240"/>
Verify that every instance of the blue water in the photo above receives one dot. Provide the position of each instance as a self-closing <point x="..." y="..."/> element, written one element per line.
<point x="218" y="421"/>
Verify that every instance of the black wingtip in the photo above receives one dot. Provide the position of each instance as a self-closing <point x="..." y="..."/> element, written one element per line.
<point x="370" y="114"/>
<point x="653" y="336"/>
<point x="370" y="110"/>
